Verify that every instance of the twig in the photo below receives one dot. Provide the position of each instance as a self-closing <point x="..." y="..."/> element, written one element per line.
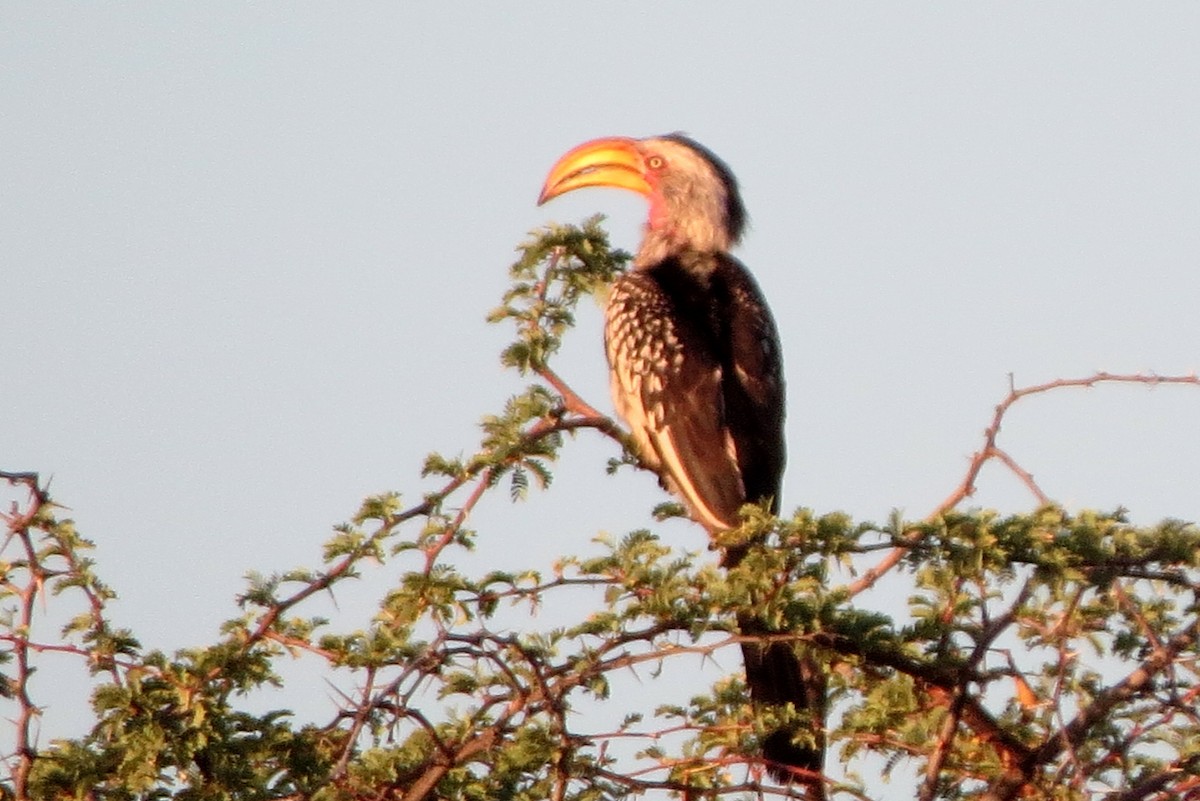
<point x="966" y="487"/>
<point x="1023" y="474"/>
<point x="19" y="524"/>
<point x="933" y="769"/>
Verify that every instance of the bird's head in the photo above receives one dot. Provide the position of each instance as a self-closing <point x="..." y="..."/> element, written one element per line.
<point x="694" y="200"/>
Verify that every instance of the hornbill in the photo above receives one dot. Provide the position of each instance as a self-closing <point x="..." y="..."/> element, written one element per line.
<point x="697" y="375"/>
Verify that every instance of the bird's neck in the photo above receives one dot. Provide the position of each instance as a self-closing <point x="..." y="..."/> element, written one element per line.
<point x="667" y="239"/>
<point x="688" y="277"/>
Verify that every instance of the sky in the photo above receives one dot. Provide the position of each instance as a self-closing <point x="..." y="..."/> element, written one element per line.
<point x="246" y="252"/>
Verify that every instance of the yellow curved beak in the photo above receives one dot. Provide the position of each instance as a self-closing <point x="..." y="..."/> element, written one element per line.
<point x="612" y="161"/>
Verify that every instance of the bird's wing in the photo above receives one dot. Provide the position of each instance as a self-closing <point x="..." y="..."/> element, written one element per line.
<point x="754" y="388"/>
<point x="667" y="385"/>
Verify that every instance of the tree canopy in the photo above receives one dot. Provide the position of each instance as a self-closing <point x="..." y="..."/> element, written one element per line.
<point x="1043" y="655"/>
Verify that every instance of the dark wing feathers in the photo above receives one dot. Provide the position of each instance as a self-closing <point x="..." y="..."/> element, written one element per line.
<point x="754" y="394"/>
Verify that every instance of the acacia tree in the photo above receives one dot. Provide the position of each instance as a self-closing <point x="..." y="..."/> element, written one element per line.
<point x="1040" y="656"/>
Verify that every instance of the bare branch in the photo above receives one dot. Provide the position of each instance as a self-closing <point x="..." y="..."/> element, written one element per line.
<point x="966" y="487"/>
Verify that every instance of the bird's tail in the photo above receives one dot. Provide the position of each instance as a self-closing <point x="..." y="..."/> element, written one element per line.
<point x="777" y="673"/>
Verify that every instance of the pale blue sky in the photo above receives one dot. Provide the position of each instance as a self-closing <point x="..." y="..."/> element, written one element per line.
<point x="246" y="252"/>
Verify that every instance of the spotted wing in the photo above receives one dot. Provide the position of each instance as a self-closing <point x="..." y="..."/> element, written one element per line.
<point x="667" y="381"/>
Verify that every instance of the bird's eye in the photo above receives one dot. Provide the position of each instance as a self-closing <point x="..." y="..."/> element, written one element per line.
<point x="656" y="162"/>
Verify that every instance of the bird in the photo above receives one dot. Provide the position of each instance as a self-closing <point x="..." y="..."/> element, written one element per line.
<point x="696" y="372"/>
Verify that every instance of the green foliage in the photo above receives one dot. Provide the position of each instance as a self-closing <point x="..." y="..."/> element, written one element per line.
<point x="1039" y="655"/>
<point x="558" y="266"/>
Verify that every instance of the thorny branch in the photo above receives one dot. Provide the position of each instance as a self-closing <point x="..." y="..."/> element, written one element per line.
<point x="1023" y="761"/>
<point x="49" y="561"/>
<point x="989" y="451"/>
<point x="19" y="521"/>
